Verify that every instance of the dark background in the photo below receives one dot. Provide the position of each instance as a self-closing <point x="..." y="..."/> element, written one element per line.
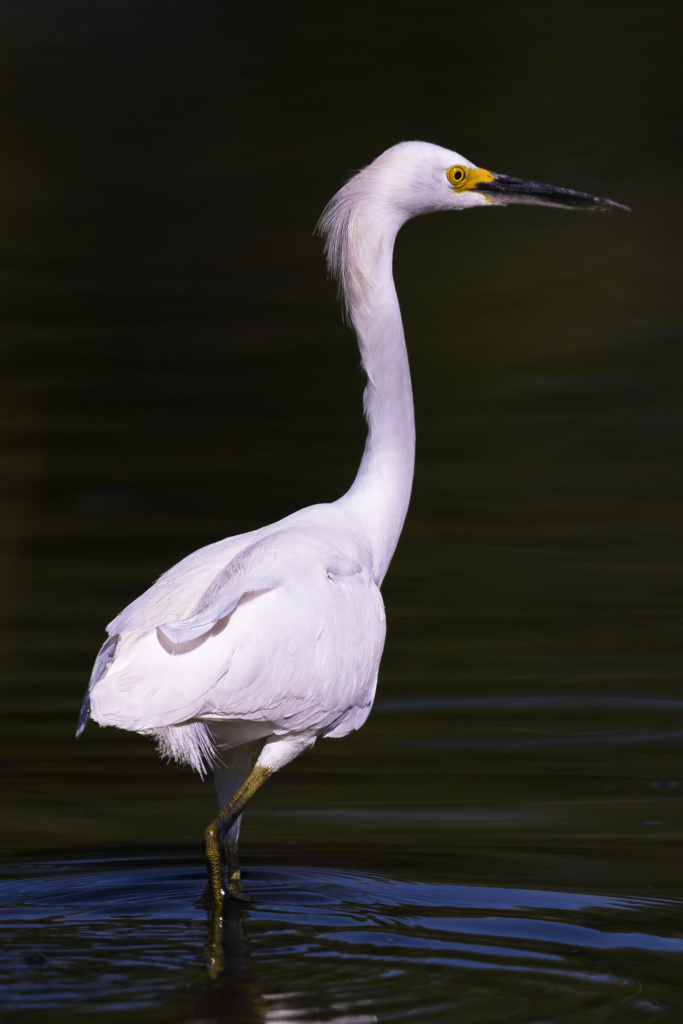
<point x="174" y="369"/>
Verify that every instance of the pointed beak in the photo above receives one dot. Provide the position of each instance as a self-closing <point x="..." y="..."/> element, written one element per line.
<point x="503" y="190"/>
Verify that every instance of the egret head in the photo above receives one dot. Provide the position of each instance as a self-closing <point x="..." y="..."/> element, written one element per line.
<point x="416" y="177"/>
<point x="413" y="178"/>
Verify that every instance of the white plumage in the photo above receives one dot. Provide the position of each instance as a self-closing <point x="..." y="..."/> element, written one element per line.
<point x="273" y="638"/>
<point x="284" y="638"/>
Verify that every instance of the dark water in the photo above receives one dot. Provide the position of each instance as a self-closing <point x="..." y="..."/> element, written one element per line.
<point x="334" y="946"/>
<point x="502" y="841"/>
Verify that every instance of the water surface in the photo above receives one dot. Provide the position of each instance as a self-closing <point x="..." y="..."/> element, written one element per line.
<point x="105" y="937"/>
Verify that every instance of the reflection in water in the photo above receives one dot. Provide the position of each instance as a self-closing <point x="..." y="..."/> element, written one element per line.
<point x="325" y="946"/>
<point x="233" y="991"/>
<point x="232" y="982"/>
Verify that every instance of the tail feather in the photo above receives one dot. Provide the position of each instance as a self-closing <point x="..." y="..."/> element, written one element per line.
<point x="102" y="663"/>
<point x="84" y="715"/>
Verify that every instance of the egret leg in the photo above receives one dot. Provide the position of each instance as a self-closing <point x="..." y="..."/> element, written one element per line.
<point x="214" y="834"/>
<point x="228" y="777"/>
<point x="232" y="860"/>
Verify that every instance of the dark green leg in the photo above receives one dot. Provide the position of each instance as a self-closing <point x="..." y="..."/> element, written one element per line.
<point x="232" y="861"/>
<point x="213" y="837"/>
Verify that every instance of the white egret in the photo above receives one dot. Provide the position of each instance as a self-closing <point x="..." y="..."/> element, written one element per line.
<point x="271" y="639"/>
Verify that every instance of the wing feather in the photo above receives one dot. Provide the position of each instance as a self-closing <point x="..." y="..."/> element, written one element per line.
<point x="287" y="630"/>
<point x="255" y="570"/>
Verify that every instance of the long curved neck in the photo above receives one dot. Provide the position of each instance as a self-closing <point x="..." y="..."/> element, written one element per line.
<point x="380" y="494"/>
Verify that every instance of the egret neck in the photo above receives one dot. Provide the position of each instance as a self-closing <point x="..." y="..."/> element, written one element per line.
<point x="380" y="494"/>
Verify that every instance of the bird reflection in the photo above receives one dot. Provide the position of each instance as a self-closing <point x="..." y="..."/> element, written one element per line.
<point x="233" y="991"/>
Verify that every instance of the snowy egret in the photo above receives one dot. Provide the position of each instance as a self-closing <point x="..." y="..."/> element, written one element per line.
<point x="259" y="644"/>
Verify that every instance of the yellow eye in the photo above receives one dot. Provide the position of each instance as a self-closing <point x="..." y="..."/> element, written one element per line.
<point x="457" y="176"/>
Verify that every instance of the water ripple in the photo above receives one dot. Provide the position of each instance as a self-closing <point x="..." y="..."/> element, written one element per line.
<point x="129" y="937"/>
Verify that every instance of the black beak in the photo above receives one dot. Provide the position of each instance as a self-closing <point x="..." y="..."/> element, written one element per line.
<point x="504" y="190"/>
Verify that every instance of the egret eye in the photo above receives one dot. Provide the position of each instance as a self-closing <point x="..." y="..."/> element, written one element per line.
<point x="457" y="176"/>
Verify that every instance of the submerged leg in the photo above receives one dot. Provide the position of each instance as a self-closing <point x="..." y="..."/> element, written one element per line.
<point x="220" y="826"/>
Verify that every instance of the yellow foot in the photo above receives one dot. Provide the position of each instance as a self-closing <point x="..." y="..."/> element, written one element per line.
<point x="235" y="891"/>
